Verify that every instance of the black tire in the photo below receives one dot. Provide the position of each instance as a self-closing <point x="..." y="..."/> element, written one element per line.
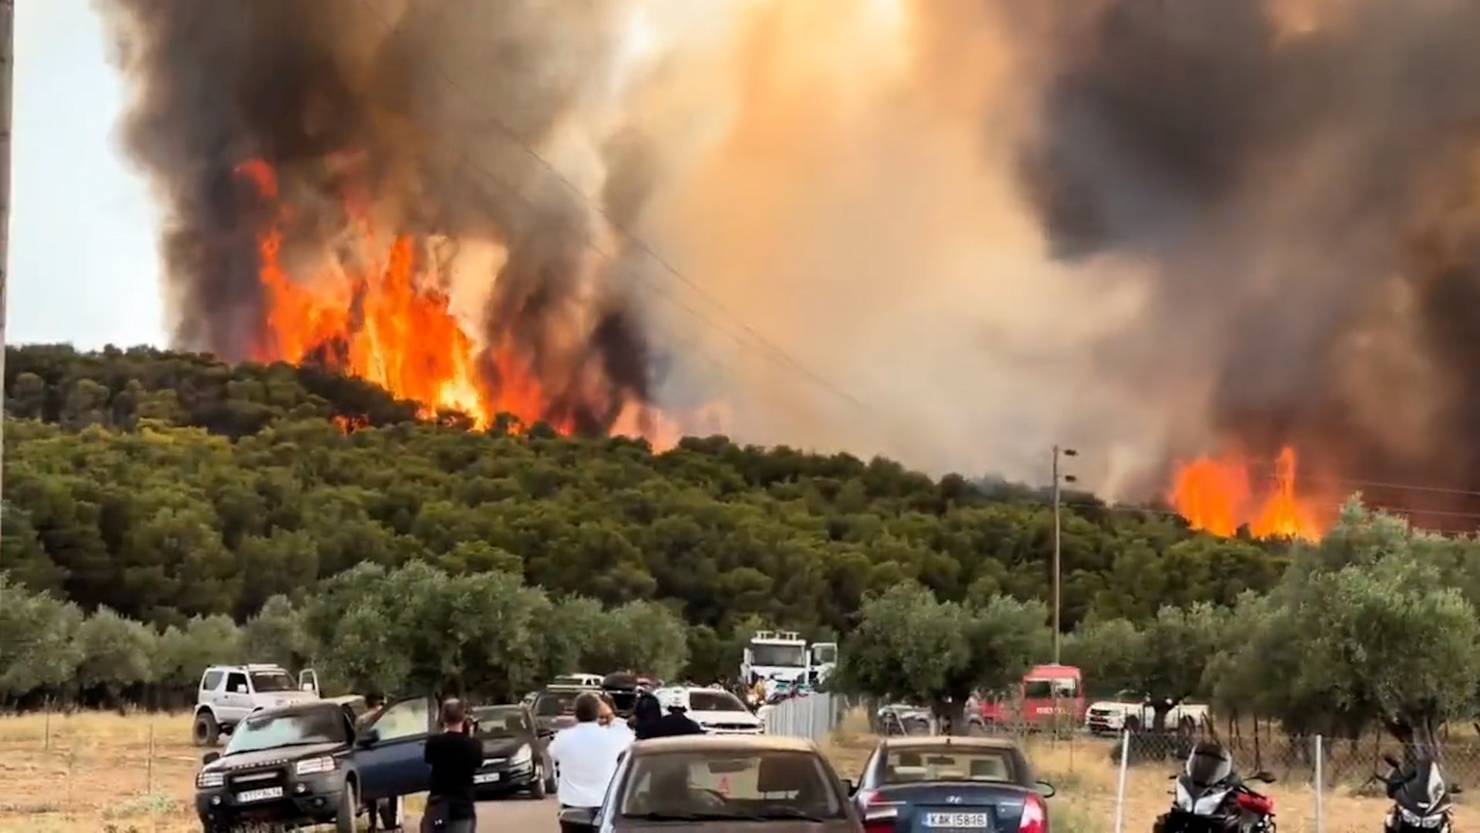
<point x="537" y="785"/>
<point x="205" y="730"/>
<point x="349" y="805"/>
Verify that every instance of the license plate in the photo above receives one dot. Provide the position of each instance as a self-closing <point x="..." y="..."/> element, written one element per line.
<point x="956" y="820"/>
<point x="486" y="778"/>
<point x="260" y="795"/>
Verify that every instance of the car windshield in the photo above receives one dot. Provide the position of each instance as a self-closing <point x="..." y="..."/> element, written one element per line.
<point x="553" y="705"/>
<point x="271" y="681"/>
<point x="731" y="784"/>
<point x="1045" y="689"/>
<point x="715" y="701"/>
<point x="267" y="731"/>
<point x="500" y="722"/>
<point x="786" y="656"/>
<point x="905" y="766"/>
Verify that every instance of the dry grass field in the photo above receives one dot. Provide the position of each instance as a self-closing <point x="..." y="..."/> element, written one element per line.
<point x="94" y="773"/>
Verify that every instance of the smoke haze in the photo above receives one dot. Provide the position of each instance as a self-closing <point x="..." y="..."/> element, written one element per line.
<point x="1144" y="228"/>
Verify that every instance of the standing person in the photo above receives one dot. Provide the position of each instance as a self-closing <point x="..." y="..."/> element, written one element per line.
<point x="585" y="757"/>
<point x="607" y="718"/>
<point x="454" y="755"/>
<point x="652" y="723"/>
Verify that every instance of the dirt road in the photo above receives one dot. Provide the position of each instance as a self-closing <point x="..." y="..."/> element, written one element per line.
<point x="518" y="814"/>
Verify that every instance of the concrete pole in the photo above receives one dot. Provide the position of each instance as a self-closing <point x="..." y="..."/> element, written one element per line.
<point x="7" y="73"/>
<point x="1056" y="555"/>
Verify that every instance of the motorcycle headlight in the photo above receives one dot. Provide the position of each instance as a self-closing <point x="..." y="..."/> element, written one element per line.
<point x="522" y="757"/>
<point x="1412" y="819"/>
<point x="209" y="779"/>
<point x="315" y="765"/>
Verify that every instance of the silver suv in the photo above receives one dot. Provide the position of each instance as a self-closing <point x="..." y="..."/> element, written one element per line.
<point x="229" y="693"/>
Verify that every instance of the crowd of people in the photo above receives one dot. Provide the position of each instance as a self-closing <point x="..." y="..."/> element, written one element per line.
<point x="585" y="756"/>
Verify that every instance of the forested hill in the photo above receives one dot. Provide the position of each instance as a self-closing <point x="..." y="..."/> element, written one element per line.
<point x="166" y="485"/>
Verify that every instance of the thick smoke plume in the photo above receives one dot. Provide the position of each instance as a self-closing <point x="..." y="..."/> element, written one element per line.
<point x="1146" y="228"/>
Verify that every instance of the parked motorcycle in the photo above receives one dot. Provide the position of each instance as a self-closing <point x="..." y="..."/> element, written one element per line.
<point x="1422" y="799"/>
<point x="1212" y="798"/>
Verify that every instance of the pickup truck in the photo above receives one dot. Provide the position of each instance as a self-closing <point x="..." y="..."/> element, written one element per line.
<point x="1132" y="710"/>
<point x="309" y="763"/>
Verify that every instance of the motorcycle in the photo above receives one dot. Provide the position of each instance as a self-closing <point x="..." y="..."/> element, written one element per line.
<point x="1210" y="797"/>
<point x="1422" y="800"/>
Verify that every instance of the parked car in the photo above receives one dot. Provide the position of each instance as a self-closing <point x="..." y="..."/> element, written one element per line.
<point x="709" y="783"/>
<point x="577" y="681"/>
<point x="306" y="764"/>
<point x="956" y="783"/>
<point x="717" y="712"/>
<point x="1133" y="710"/>
<point x="555" y="708"/>
<point x="903" y="719"/>
<point x="515" y="754"/>
<point x="229" y="693"/>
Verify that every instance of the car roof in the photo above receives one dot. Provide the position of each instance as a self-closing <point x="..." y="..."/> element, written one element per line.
<point x="738" y="743"/>
<point x="942" y="741"/>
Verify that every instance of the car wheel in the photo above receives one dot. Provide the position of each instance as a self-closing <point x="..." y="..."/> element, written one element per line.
<point x="206" y="730"/>
<point x="537" y="785"/>
<point x="344" y="814"/>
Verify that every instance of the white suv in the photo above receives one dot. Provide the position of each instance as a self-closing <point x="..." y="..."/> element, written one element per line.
<point x="229" y="693"/>
<point x="717" y="712"/>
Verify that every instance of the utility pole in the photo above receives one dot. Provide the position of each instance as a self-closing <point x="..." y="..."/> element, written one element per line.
<point x="7" y="74"/>
<point x="1067" y="452"/>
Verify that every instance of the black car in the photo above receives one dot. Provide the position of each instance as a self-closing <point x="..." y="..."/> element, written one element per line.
<point x="514" y="753"/>
<point x="307" y="764"/>
<point x="962" y="784"/>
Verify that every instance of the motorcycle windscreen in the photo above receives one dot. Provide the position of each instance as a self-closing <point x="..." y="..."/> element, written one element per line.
<point x="1208" y="764"/>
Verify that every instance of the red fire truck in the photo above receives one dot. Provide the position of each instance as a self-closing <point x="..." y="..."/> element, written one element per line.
<point x="1049" y="697"/>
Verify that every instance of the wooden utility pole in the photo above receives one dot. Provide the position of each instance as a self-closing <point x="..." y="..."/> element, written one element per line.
<point x="7" y="74"/>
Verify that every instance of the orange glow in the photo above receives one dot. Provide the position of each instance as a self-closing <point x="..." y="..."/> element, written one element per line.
<point x="384" y="324"/>
<point x="1214" y="494"/>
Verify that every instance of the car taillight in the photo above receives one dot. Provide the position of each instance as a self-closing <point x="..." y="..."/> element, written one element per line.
<point x="879" y="815"/>
<point x="1035" y="816"/>
<point x="1263" y="805"/>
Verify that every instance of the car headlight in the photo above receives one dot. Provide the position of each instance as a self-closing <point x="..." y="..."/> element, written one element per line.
<point x="207" y="779"/>
<point x="522" y="757"/>
<point x="313" y="765"/>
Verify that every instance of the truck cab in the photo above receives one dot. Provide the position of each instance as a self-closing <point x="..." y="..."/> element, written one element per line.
<point x="1048" y="697"/>
<point x="775" y="655"/>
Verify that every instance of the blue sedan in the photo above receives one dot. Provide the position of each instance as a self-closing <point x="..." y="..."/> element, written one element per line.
<point x="951" y="785"/>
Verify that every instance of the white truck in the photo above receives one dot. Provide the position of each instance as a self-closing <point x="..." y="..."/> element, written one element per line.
<point x="823" y="659"/>
<point x="775" y="655"/>
<point x="1132" y="710"/>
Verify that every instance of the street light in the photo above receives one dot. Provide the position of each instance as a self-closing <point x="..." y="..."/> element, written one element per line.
<point x="1057" y="478"/>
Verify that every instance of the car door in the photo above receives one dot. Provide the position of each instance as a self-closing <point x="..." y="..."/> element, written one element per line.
<point x="236" y="697"/>
<point x="393" y="762"/>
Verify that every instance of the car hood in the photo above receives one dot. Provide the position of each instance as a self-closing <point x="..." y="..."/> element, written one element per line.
<point x="286" y="698"/>
<point x="501" y="747"/>
<point x="276" y="755"/>
<point x="723" y="717"/>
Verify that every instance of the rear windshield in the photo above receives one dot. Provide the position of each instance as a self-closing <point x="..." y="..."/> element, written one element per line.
<point x="554" y="705"/>
<point x="715" y="701"/>
<point x="719" y="783"/>
<point x="904" y="766"/>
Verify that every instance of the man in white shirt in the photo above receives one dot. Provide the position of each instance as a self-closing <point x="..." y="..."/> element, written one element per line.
<point x="585" y="757"/>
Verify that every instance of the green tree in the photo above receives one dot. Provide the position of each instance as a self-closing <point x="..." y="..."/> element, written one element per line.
<point x="38" y="640"/>
<point x="116" y="653"/>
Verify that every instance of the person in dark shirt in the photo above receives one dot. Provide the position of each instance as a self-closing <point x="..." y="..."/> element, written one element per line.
<point x="453" y="756"/>
<point x="650" y="722"/>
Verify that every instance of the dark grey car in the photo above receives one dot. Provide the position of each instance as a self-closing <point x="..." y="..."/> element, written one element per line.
<point x="723" y="783"/>
<point x="961" y="784"/>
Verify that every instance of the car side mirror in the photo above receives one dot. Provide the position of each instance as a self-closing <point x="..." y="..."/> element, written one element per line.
<point x="210" y="758"/>
<point x="1456" y="789"/>
<point x="241" y="689"/>
<point x="1045" y="789"/>
<point x="1262" y="777"/>
<point x="850" y="785"/>
<point x="370" y="737"/>
<point x="578" y="817"/>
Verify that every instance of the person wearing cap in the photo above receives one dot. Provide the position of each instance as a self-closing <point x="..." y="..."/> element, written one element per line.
<point x="454" y="755"/>
<point x="585" y="757"/>
<point x="650" y="722"/>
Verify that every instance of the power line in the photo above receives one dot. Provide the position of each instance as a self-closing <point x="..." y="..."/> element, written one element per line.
<point x="776" y="353"/>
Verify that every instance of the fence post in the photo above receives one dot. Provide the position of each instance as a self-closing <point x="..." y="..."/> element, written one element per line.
<point x="1125" y="759"/>
<point x="46" y="738"/>
<point x="149" y="782"/>
<point x="1320" y="787"/>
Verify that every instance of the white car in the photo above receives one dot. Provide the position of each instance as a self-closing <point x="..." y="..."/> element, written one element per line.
<point x="717" y="712"/>
<point x="577" y="681"/>
<point x="229" y="693"/>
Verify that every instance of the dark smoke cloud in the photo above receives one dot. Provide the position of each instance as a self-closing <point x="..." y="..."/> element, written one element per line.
<point x="420" y="111"/>
<point x="1306" y="201"/>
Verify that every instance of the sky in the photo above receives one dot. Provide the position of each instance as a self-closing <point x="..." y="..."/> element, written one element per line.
<point x="83" y="228"/>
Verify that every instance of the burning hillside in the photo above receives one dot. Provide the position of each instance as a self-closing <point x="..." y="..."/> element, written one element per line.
<point x="1152" y="229"/>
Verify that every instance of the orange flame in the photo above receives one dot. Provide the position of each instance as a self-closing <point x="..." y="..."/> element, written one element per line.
<point x="384" y="325"/>
<point x="1214" y="494"/>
